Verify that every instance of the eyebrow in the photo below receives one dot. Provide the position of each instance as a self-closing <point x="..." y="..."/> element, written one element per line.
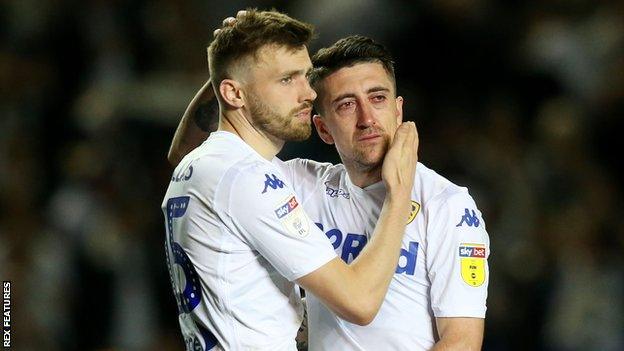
<point x="293" y="72"/>
<point x="350" y="95"/>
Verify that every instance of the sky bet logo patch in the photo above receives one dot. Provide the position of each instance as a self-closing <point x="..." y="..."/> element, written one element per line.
<point x="286" y="208"/>
<point x="472" y="261"/>
<point x="293" y="218"/>
<point x="471" y="250"/>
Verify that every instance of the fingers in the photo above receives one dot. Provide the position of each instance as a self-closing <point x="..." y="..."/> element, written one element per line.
<point x="409" y="142"/>
<point x="416" y="142"/>
<point x="412" y="138"/>
<point x="403" y="131"/>
<point x="230" y="21"/>
<point x="406" y="133"/>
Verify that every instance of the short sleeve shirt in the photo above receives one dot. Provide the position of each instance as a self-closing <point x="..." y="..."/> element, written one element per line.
<point x="442" y="270"/>
<point x="237" y="238"/>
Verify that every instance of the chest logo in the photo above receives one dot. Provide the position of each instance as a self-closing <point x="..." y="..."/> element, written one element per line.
<point x="413" y="212"/>
<point x="472" y="257"/>
<point x="335" y="192"/>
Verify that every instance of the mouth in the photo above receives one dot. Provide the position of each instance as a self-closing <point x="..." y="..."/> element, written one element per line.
<point x="369" y="137"/>
<point x="304" y="114"/>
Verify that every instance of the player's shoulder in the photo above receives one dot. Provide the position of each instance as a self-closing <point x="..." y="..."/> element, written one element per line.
<point x="435" y="189"/>
<point x="224" y="159"/>
<point x="307" y="167"/>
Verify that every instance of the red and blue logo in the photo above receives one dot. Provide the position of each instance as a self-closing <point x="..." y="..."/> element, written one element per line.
<point x="472" y="250"/>
<point x="286" y="208"/>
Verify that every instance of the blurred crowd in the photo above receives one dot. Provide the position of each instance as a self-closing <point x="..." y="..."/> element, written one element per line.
<point x="520" y="101"/>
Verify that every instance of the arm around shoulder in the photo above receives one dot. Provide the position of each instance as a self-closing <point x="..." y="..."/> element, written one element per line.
<point x="337" y="287"/>
<point x="195" y="125"/>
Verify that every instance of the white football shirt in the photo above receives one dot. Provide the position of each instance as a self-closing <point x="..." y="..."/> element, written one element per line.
<point x="237" y="238"/>
<point x="442" y="270"/>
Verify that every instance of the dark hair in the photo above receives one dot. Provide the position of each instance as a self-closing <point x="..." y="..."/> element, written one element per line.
<point x="250" y="33"/>
<point x="347" y="52"/>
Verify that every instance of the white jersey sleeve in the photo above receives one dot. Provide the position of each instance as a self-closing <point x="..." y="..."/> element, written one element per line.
<point x="268" y="215"/>
<point x="457" y="254"/>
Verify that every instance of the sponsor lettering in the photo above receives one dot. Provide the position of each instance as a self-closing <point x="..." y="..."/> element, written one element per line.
<point x="407" y="259"/>
<point x="472" y="251"/>
<point x="350" y="245"/>
<point x="286" y="208"/>
<point x="335" y="192"/>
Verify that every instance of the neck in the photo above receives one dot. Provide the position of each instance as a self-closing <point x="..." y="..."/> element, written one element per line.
<point x="236" y="123"/>
<point x="363" y="177"/>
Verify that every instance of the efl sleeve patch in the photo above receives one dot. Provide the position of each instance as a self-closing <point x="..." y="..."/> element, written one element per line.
<point x="292" y="217"/>
<point x="472" y="259"/>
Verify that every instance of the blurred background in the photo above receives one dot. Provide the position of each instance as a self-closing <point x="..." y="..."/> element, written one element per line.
<point x="521" y="101"/>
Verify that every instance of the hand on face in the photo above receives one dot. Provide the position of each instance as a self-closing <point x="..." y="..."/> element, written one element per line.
<point x="399" y="164"/>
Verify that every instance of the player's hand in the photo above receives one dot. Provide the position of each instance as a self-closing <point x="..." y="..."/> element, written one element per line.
<point x="399" y="164"/>
<point x="230" y="21"/>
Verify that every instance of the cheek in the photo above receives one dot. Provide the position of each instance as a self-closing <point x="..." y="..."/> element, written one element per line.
<point x="345" y="141"/>
<point x="390" y="118"/>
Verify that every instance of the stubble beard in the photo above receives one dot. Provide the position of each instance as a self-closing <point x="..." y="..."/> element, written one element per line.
<point x="284" y="127"/>
<point x="363" y="161"/>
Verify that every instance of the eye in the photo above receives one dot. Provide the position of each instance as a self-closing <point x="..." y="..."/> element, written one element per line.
<point x="379" y="98"/>
<point x="286" y="80"/>
<point x="346" y="105"/>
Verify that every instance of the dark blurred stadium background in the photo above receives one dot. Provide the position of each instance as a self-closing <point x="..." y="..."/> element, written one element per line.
<point x="521" y="101"/>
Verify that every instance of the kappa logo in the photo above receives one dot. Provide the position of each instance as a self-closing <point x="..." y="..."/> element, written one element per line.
<point x="272" y="183"/>
<point x="469" y="218"/>
<point x="335" y="192"/>
<point x="286" y="208"/>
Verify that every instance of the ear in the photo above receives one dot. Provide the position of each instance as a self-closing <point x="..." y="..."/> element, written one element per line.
<point x="321" y="129"/>
<point x="231" y="93"/>
<point x="399" y="107"/>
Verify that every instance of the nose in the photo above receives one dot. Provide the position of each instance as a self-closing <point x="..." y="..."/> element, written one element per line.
<point x="365" y="115"/>
<point x="308" y="93"/>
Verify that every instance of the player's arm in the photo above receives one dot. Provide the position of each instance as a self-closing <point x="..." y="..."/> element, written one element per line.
<point x="458" y="333"/>
<point x="198" y="121"/>
<point x="458" y="270"/>
<point x="355" y="292"/>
